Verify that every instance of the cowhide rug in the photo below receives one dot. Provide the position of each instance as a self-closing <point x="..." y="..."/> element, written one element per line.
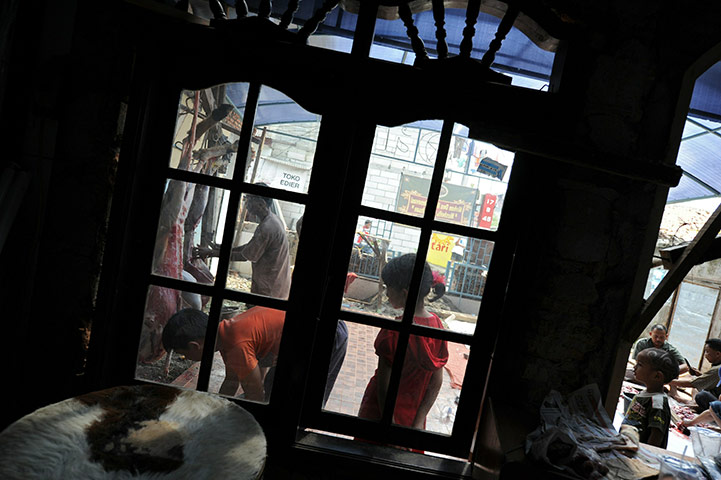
<point x="135" y="432"/>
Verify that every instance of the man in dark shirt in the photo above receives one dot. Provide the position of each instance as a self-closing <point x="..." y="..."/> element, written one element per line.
<point x="267" y="251"/>
<point x="657" y="339"/>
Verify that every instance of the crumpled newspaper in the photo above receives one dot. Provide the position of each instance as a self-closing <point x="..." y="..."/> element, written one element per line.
<point x="577" y="437"/>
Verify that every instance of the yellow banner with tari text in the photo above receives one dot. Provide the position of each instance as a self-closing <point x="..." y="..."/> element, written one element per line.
<point x="440" y="249"/>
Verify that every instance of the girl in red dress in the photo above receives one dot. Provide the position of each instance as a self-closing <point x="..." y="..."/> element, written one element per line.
<point x="422" y="374"/>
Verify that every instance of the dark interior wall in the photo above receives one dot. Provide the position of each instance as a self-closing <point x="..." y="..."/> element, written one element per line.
<point x="572" y="283"/>
<point x="62" y="108"/>
<point x="588" y="237"/>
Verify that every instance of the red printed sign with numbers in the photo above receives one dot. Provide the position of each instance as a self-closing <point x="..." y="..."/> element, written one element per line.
<point x="486" y="216"/>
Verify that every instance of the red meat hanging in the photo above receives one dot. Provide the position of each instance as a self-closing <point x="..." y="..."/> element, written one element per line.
<point x="163" y="302"/>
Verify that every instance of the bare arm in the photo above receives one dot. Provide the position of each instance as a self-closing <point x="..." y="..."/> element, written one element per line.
<point x="205" y="251"/>
<point x="256" y="246"/>
<point x="682" y="382"/>
<point x="236" y="255"/>
<point x="230" y="383"/>
<point x="253" y="385"/>
<point x="434" y="386"/>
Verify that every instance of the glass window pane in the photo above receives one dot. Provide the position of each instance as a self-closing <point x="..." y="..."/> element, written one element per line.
<point x="332" y="42"/>
<point x="283" y="144"/>
<point x="655" y="275"/>
<point x="400" y="167"/>
<point x="475" y="182"/>
<point x="428" y="384"/>
<point x="264" y="246"/>
<point x="248" y="346"/>
<point x="192" y="217"/>
<point x="419" y="369"/>
<point x="337" y="359"/>
<point x="212" y="117"/>
<point x="692" y="319"/>
<point x="156" y="364"/>
<point x="422" y="375"/>
<point x="461" y="264"/>
<point x="375" y="243"/>
<point x="358" y="367"/>
<point x="342" y="21"/>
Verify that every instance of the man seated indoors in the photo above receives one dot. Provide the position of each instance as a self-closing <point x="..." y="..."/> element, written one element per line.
<point x="708" y="383"/>
<point x="248" y="343"/>
<point x="658" y="336"/>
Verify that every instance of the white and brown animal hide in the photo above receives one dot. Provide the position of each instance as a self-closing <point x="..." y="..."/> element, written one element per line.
<point x="137" y="432"/>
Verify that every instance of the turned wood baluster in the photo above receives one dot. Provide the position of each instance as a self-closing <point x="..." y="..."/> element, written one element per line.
<point x="404" y="11"/>
<point x="469" y="31"/>
<point x="503" y="28"/>
<point x="264" y="8"/>
<point x="439" y="13"/>
<point x="241" y="8"/>
<point x="312" y="24"/>
<point x="288" y="15"/>
<point x="217" y="9"/>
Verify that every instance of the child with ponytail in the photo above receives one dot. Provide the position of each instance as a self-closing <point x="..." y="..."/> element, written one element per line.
<point x="422" y="374"/>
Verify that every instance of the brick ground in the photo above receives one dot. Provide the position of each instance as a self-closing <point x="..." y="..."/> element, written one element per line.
<point x="360" y="364"/>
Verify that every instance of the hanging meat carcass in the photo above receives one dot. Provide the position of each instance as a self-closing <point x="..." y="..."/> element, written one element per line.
<point x="181" y="211"/>
<point x="168" y="255"/>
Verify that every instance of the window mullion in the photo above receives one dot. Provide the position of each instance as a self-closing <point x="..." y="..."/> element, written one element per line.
<point x="199" y="178"/>
<point x="439" y="171"/>
<point x="413" y="288"/>
<point x="452" y="228"/>
<point x="365" y="29"/>
<point x="221" y="275"/>
<point x="342" y="147"/>
<point x="404" y="330"/>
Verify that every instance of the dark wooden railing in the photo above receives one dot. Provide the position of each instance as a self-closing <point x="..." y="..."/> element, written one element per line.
<point x="309" y="27"/>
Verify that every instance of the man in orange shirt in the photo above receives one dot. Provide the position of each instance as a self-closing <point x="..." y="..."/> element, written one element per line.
<point x="248" y="343"/>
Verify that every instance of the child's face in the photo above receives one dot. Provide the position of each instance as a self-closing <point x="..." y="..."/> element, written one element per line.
<point x="711" y="355"/>
<point x="643" y="371"/>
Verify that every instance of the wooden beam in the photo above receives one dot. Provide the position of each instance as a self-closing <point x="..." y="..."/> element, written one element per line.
<point x="670" y="255"/>
<point x="696" y="249"/>
<point x="714" y="329"/>
<point x="618" y="370"/>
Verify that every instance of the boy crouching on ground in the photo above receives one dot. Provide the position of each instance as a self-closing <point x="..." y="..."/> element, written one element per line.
<point x="649" y="411"/>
